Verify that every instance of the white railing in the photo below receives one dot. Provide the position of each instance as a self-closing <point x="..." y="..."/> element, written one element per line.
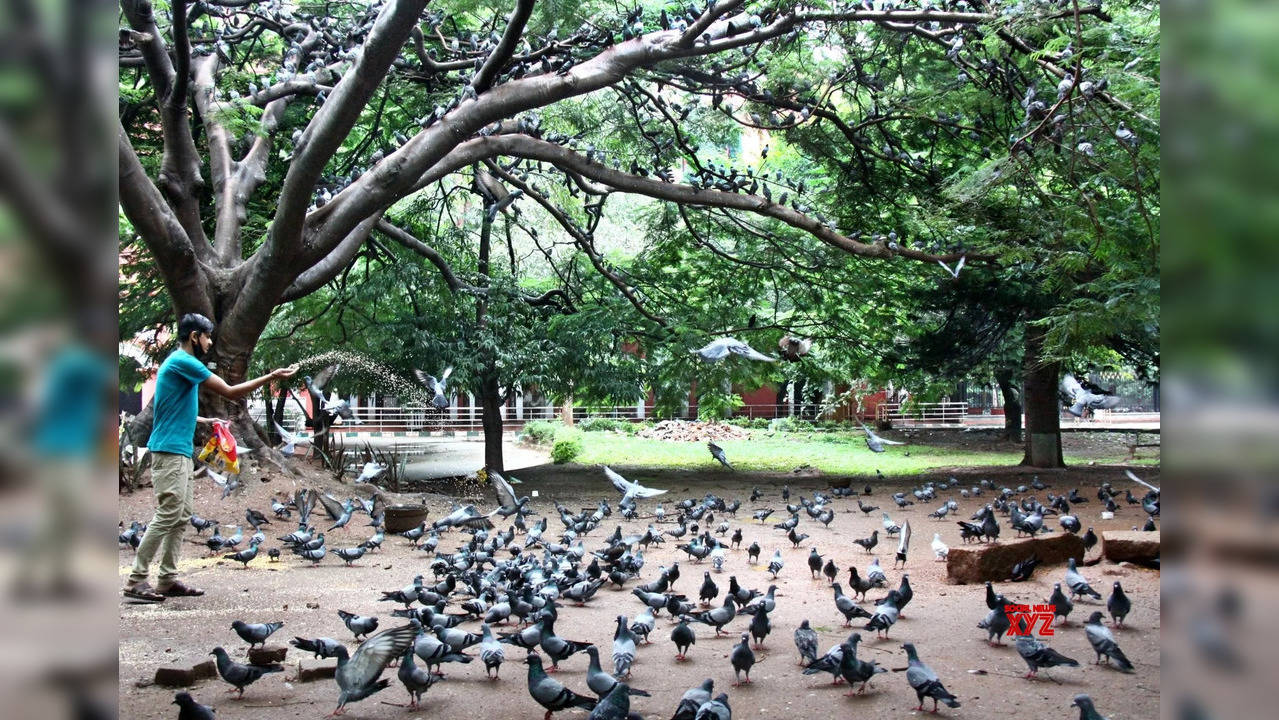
<point x="922" y="413"/>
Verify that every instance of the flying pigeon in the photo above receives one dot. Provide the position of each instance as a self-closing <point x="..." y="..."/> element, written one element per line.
<point x="875" y="442"/>
<point x="719" y="349"/>
<point x="358" y="675"/>
<point x="1081" y="398"/>
<point x="630" y="489"/>
<point x="954" y="272"/>
<point x="793" y="348"/>
<point x="437" y="386"/>
<point x="717" y="452"/>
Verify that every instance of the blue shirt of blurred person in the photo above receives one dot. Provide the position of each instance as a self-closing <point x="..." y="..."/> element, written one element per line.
<point x="69" y="423"/>
<point x="176" y="403"/>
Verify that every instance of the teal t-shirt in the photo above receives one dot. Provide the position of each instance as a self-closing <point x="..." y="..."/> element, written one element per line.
<point x="176" y="404"/>
<point x="70" y="419"/>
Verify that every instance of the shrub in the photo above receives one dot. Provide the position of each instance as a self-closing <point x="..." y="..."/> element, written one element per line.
<point x="759" y="423"/>
<point x="539" y="432"/>
<point x="790" y="424"/>
<point x="568" y="445"/>
<point x="599" y="424"/>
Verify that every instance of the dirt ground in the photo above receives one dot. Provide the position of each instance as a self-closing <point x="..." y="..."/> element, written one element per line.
<point x="941" y="620"/>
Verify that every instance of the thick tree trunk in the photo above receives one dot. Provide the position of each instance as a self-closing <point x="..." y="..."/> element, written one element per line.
<point x="566" y="411"/>
<point x="491" y="409"/>
<point x="1012" y="404"/>
<point x="1043" y="410"/>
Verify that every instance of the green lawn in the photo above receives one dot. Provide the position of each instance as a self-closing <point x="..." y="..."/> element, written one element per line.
<point x="834" y="454"/>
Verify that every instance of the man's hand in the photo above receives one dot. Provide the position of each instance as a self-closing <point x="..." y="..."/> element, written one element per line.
<point x="207" y="421"/>
<point x="284" y="371"/>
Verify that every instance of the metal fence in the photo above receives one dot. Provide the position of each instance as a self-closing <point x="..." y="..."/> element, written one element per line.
<point x="922" y="413"/>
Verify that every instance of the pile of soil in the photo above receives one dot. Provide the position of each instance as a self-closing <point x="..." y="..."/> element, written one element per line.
<point x="694" y="431"/>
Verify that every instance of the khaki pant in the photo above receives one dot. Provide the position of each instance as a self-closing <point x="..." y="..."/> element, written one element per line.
<point x="64" y="483"/>
<point x="171" y="478"/>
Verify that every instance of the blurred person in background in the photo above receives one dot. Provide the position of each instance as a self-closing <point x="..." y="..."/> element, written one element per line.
<point x="171" y="444"/>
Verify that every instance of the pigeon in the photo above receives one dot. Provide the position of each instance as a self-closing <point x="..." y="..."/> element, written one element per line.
<point x="693" y="699"/>
<point x="875" y="442"/>
<point x="776" y="564"/>
<point x="630" y="489"/>
<point x="717" y="452"/>
<point x="351" y="554"/>
<point x="1061" y="604"/>
<point x="322" y="647"/>
<point x="437" y="386"/>
<point x="244" y="556"/>
<point x="358" y="624"/>
<point x="852" y="670"/>
<point x="255" y="518"/>
<point x="1087" y="711"/>
<point x="416" y="680"/>
<point x="1082" y="399"/>
<point x="491" y="652"/>
<point x="550" y="693"/>
<point x="289" y="441"/>
<point x="683" y="637"/>
<point x="830" y="570"/>
<point x="760" y="627"/>
<point x="846" y="606"/>
<point x="719" y="617"/>
<point x="1090" y="539"/>
<point x="508" y="504"/>
<point x="903" y="545"/>
<point x="806" y="643"/>
<point x="716" y="709"/>
<point x="940" y="551"/>
<point x="600" y="682"/>
<point x="996" y="622"/>
<point x="644" y="624"/>
<point x="1076" y="582"/>
<point x="255" y="633"/>
<point x="793" y="348"/>
<point x="868" y="509"/>
<point x="189" y="709"/>
<point x="814" y="562"/>
<point x="1103" y="642"/>
<point x="890" y="527"/>
<point x="465" y="517"/>
<point x="925" y="682"/>
<point x="719" y="349"/>
<point x="1118" y="604"/>
<point x="239" y="675"/>
<point x="623" y="648"/>
<point x="886" y="614"/>
<point x="742" y="659"/>
<point x="1038" y="655"/>
<point x="358" y="675"/>
<point x="1023" y="569"/>
<point x="954" y="272"/>
<point x="857" y="584"/>
<point x="875" y="575"/>
<point x="752" y="552"/>
<point x="709" y="589"/>
<point x="556" y="647"/>
<point x="614" y="705"/>
<point x="869" y="543"/>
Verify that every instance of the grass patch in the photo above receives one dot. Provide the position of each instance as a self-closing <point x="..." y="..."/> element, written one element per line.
<point x="836" y="454"/>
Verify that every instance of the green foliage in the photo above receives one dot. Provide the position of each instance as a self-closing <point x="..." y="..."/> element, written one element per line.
<point x="718" y="405"/>
<point x="789" y="424"/>
<point x="567" y="447"/>
<point x="539" y="432"/>
<point x="599" y="424"/>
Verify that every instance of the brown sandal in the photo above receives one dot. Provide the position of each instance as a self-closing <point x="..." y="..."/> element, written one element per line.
<point x="143" y="593"/>
<point x="177" y="589"/>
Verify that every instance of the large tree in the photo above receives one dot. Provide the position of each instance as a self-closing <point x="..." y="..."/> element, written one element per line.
<point x="263" y="146"/>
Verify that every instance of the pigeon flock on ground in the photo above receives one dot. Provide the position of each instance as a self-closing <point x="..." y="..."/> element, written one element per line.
<point x="495" y="595"/>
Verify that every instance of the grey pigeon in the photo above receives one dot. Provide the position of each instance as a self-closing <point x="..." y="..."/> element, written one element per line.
<point x="549" y="693"/>
<point x="743" y="659"/>
<point x="629" y="489"/>
<point x="359" y="676"/>
<point x="719" y="348"/>
<point x="1103" y="643"/>
<point x="1087" y="711"/>
<point x="240" y="675"/>
<point x="255" y="633"/>
<point x="683" y="637"/>
<point x="719" y="617"/>
<point x="806" y="643"/>
<point x="556" y="647"/>
<point x="717" y="452"/>
<point x="351" y="554"/>
<point x="416" y="680"/>
<point x="614" y="705"/>
<point x="437" y="386"/>
<point x="716" y="709"/>
<point x="623" y="648"/>
<point x="693" y="700"/>
<point x="1076" y="582"/>
<point x="875" y="442"/>
<point x="846" y="606"/>
<point x="1038" y="655"/>
<point x="1118" y="604"/>
<point x="925" y="682"/>
<point x="760" y="627"/>
<point x="322" y="647"/>
<point x="855" y="671"/>
<point x="358" y="624"/>
<point x="1061" y="604"/>
<point x="600" y="682"/>
<point x="491" y="651"/>
<point x="995" y="623"/>
<point x="189" y="709"/>
<point x="244" y="556"/>
<point x="1082" y="399"/>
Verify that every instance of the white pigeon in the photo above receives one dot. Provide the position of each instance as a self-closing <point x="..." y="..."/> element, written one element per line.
<point x="719" y="349"/>
<point x="958" y="266"/>
<point x="890" y="527"/>
<point x="370" y="472"/>
<point x="939" y="548"/>
<point x="630" y="489"/>
<point x="289" y="441"/>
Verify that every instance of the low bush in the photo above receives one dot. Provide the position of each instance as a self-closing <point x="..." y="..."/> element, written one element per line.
<point x="539" y="432"/>
<point x="599" y="424"/>
<point x="568" y="445"/>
